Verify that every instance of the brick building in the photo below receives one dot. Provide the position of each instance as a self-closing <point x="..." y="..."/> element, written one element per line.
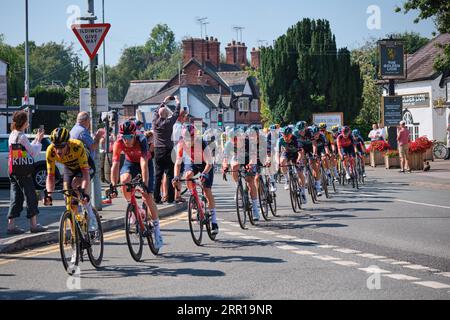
<point x="206" y="86"/>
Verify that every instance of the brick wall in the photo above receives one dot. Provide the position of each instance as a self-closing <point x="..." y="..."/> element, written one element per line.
<point x="202" y="50"/>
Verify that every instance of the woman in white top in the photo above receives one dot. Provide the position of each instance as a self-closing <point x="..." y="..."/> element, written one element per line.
<point x="22" y="187"/>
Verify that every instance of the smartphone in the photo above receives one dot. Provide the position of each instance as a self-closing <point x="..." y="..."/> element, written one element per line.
<point x="172" y="98"/>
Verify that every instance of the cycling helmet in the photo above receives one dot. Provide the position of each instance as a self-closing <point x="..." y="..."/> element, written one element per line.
<point x="335" y="129"/>
<point x="346" y="130"/>
<point x="315" y="129"/>
<point x="273" y="127"/>
<point x="60" y="136"/>
<point x="301" y="125"/>
<point x="128" y="127"/>
<point x="323" y="126"/>
<point x="356" y="133"/>
<point x="286" y="131"/>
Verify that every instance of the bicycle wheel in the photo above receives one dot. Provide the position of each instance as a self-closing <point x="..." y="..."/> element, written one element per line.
<point x="311" y="187"/>
<point x="195" y="221"/>
<point x="133" y="234"/>
<point x="292" y="193"/>
<point x="150" y="233"/>
<point x="298" y="196"/>
<point x="68" y="244"/>
<point x="208" y="222"/>
<point x="95" y="252"/>
<point x="355" y="178"/>
<point x="262" y="196"/>
<point x="241" y="207"/>
<point x="440" y="151"/>
<point x="324" y="177"/>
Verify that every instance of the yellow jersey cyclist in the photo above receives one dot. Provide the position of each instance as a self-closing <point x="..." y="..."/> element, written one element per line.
<point x="72" y="154"/>
<point x="332" y="160"/>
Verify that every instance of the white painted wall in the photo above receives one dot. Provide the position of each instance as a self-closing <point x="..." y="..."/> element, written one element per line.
<point x="198" y="109"/>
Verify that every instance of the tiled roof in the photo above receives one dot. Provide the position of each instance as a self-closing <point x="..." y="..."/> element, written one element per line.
<point x="160" y="96"/>
<point x="235" y="80"/>
<point x="421" y="63"/>
<point x="141" y="90"/>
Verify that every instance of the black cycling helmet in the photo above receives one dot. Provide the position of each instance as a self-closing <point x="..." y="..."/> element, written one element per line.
<point x="286" y="131"/>
<point x="315" y="129"/>
<point x="60" y="136"/>
<point x="128" y="127"/>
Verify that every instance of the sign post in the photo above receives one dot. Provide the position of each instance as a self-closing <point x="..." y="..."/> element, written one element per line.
<point x="91" y="37"/>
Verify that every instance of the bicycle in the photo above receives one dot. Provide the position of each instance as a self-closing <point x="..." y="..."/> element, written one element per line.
<point x="325" y="179"/>
<point x="310" y="180"/>
<point x="264" y="195"/>
<point x="270" y="196"/>
<point x="74" y="236"/>
<point x="294" y="188"/>
<point x="198" y="214"/>
<point x="243" y="203"/>
<point x="439" y="150"/>
<point x="137" y="225"/>
<point x="353" y="172"/>
<point x="359" y="169"/>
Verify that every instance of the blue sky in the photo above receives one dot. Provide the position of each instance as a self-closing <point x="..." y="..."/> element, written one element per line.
<point x="132" y="20"/>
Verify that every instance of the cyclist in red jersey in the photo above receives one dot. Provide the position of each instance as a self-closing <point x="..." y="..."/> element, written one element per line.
<point x="135" y="147"/>
<point x="346" y="147"/>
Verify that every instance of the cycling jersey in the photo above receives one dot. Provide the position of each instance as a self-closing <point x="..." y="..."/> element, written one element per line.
<point x="75" y="160"/>
<point x="244" y="153"/>
<point x="329" y="136"/>
<point x="306" y="139"/>
<point x="132" y="154"/>
<point x="344" y="142"/>
<point x="291" y="147"/>
<point x="195" y="160"/>
<point x="359" y="141"/>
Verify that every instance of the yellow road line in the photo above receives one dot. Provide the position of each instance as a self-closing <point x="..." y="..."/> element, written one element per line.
<point x="55" y="248"/>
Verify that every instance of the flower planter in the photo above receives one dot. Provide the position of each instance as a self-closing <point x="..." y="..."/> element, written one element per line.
<point x="416" y="161"/>
<point x="429" y="155"/>
<point x="376" y="158"/>
<point x="391" y="163"/>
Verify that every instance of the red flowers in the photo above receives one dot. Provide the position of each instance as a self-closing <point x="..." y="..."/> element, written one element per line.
<point x="379" y="146"/>
<point x="421" y="145"/>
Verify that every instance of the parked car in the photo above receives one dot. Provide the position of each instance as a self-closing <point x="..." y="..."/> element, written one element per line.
<point x="40" y="172"/>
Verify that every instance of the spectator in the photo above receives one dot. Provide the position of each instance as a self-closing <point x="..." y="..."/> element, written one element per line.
<point x="163" y="123"/>
<point x="403" y="147"/>
<point x="140" y="127"/>
<point x="22" y="186"/>
<point x="382" y="132"/>
<point x="374" y="134"/>
<point x="81" y="132"/>
<point x="151" y="168"/>
<point x="176" y="138"/>
<point x="448" y="143"/>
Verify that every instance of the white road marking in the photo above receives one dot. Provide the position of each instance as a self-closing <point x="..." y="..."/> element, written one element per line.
<point x="445" y="274"/>
<point x="346" y="263"/>
<point x="327" y="246"/>
<point x="421" y="268"/>
<point x="388" y="260"/>
<point x="235" y="233"/>
<point x="304" y="252"/>
<point x="327" y="258"/>
<point x="373" y="270"/>
<point x="350" y="251"/>
<point x="250" y="238"/>
<point x="400" y="263"/>
<point x="287" y="248"/>
<point x="224" y="229"/>
<point x="227" y="222"/>
<point x="268" y="232"/>
<point x="370" y="256"/>
<point x="286" y="237"/>
<point x="98" y="298"/>
<point x="36" y="298"/>
<point x="433" y="284"/>
<point x="422" y="204"/>
<point x="401" y="277"/>
<point x="66" y="298"/>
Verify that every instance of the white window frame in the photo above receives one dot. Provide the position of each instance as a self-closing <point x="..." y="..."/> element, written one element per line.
<point x="414" y="128"/>
<point x="244" y="105"/>
<point x="254" y="106"/>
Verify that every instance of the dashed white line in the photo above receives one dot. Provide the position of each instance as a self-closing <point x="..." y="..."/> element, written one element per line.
<point x="346" y="263"/>
<point x="35" y="298"/>
<point x="400" y="263"/>
<point x="98" y="298"/>
<point x="401" y="277"/>
<point x="269" y="232"/>
<point x="388" y="260"/>
<point x="327" y="258"/>
<point x="327" y="246"/>
<point x="445" y="274"/>
<point x="371" y="256"/>
<point x="420" y="268"/>
<point x="286" y="237"/>
<point x="373" y="270"/>
<point x="433" y="284"/>
<point x="66" y="298"/>
<point x="250" y="238"/>
<point x="304" y="252"/>
<point x="422" y="204"/>
<point x="349" y="251"/>
<point x="287" y="247"/>
<point x="235" y="233"/>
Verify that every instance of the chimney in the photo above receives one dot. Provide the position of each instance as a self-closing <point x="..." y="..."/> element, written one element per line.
<point x="202" y="50"/>
<point x="237" y="54"/>
<point x="256" y="58"/>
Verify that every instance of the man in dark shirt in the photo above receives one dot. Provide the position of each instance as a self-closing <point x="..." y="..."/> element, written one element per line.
<point x="162" y="126"/>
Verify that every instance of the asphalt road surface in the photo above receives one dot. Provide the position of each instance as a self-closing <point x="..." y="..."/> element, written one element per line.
<point x="388" y="241"/>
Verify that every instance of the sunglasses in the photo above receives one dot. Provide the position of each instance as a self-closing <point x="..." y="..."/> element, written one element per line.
<point x="60" y="146"/>
<point x="128" y="137"/>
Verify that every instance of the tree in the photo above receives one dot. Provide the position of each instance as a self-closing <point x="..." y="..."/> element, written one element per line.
<point x="413" y="40"/>
<point x="439" y="11"/>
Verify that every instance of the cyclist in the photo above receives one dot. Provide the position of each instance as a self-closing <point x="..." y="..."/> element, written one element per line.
<point x="196" y="155"/>
<point x="346" y="147"/>
<point x="331" y="159"/>
<point x="135" y="147"/>
<point x="272" y="138"/>
<point x="306" y="138"/>
<point x="72" y="154"/>
<point x="361" y="149"/>
<point x="291" y="152"/>
<point x="236" y="154"/>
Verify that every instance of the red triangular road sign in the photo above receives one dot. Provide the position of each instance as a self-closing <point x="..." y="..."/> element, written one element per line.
<point x="91" y="36"/>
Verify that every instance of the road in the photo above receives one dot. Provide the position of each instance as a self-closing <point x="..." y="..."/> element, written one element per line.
<point x="389" y="241"/>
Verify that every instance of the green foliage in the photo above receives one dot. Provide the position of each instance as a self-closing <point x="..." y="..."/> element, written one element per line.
<point x="413" y="40"/>
<point x="439" y="11"/>
<point x="304" y="73"/>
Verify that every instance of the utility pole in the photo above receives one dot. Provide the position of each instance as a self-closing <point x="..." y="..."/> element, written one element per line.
<point x="96" y="185"/>
<point x="27" y="72"/>
<point x="104" y="86"/>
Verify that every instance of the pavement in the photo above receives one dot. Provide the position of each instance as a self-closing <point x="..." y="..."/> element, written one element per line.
<point x="389" y="240"/>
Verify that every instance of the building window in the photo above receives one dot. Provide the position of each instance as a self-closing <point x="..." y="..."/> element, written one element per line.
<point x="255" y="105"/>
<point x="243" y="105"/>
<point x="412" y="127"/>
<point x="227" y="116"/>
